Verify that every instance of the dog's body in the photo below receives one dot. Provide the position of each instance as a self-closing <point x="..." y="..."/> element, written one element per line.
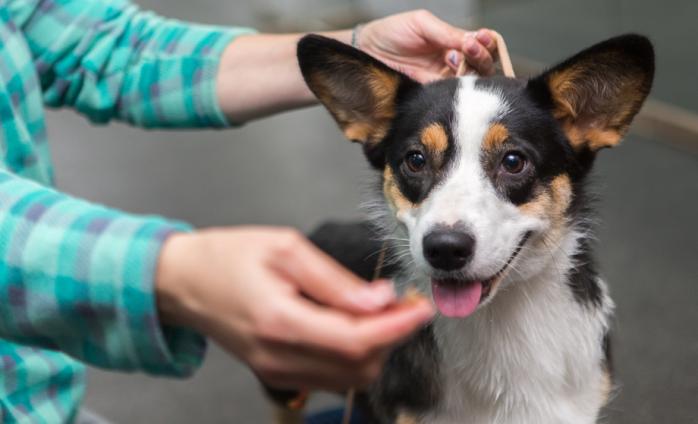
<point x="483" y="202"/>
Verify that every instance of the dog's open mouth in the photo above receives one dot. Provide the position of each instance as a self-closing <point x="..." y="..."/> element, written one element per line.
<point x="458" y="298"/>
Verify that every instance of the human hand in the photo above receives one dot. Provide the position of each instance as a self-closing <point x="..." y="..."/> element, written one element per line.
<point x="250" y="290"/>
<point x="419" y="44"/>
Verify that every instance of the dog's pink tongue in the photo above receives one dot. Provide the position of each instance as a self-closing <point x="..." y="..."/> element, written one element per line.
<point x="456" y="300"/>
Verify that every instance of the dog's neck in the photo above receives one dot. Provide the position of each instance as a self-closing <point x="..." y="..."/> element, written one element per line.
<point x="529" y="345"/>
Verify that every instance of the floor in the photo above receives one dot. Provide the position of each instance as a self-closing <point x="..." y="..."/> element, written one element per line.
<point x="295" y="169"/>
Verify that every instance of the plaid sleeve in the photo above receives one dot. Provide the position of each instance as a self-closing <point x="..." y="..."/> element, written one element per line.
<point x="78" y="278"/>
<point x="110" y="60"/>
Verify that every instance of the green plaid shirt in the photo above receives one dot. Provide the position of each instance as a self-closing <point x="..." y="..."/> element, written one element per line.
<point x="76" y="279"/>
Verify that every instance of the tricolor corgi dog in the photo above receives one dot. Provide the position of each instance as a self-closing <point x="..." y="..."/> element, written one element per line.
<point x="483" y="200"/>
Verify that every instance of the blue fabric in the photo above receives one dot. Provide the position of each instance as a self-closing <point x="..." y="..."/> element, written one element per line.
<point x="334" y="416"/>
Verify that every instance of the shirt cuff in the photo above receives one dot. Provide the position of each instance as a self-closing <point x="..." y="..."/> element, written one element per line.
<point x="158" y="349"/>
<point x="205" y="89"/>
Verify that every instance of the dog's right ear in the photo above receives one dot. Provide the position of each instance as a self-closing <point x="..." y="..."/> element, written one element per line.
<point x="360" y="92"/>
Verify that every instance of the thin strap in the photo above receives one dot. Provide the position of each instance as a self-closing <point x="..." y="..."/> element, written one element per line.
<point x="502" y="54"/>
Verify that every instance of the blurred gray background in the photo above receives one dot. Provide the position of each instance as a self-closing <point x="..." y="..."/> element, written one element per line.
<point x="295" y="169"/>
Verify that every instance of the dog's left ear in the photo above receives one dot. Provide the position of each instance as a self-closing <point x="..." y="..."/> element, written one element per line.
<point x="596" y="94"/>
<point x="360" y="92"/>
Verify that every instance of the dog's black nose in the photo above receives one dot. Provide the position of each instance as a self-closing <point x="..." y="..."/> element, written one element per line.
<point x="448" y="249"/>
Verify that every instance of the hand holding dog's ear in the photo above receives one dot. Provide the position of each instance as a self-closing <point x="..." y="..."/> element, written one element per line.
<point x="419" y="45"/>
<point x="272" y="299"/>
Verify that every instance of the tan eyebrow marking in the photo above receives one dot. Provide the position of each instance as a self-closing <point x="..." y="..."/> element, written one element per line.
<point x="434" y="138"/>
<point x="496" y="135"/>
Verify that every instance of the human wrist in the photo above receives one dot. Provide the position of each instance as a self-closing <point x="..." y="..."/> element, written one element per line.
<point x="345" y="35"/>
<point x="176" y="301"/>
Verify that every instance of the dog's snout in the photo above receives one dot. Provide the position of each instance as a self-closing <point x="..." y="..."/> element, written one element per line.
<point x="448" y="249"/>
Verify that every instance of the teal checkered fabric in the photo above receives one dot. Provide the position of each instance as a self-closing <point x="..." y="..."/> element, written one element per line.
<point x="76" y="279"/>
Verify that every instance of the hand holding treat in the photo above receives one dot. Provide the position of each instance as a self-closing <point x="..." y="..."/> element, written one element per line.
<point x="298" y="318"/>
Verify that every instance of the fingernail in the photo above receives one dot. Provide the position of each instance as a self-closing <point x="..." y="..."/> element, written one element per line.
<point x="471" y="47"/>
<point x="453" y="58"/>
<point x="484" y="37"/>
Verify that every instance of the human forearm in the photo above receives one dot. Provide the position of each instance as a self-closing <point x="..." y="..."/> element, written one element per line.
<point x="259" y="76"/>
<point x="78" y="277"/>
<point x="108" y="59"/>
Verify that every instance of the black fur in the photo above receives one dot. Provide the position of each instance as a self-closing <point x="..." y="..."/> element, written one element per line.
<point x="432" y="103"/>
<point x="410" y="380"/>
<point x="532" y="132"/>
<point x="355" y="245"/>
<point x="411" y="377"/>
<point x="583" y="277"/>
<point x="608" y="354"/>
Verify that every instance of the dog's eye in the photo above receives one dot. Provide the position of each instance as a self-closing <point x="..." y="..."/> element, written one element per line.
<point x="415" y="161"/>
<point x="513" y="162"/>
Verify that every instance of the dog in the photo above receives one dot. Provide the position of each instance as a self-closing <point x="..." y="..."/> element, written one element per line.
<point x="482" y="196"/>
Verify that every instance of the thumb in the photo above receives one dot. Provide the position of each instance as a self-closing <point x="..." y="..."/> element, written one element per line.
<point x="322" y="279"/>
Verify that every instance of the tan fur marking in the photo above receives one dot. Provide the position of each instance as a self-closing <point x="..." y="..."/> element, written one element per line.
<point x="404" y="418"/>
<point x="358" y="124"/>
<point x="392" y="192"/>
<point x="562" y="88"/>
<point x="434" y="138"/>
<point x="561" y="188"/>
<point x="606" y="387"/>
<point x="551" y="203"/>
<point x="574" y="135"/>
<point x="538" y="206"/>
<point x="358" y="131"/>
<point x="496" y="135"/>
<point x="608" y="123"/>
<point x="593" y="138"/>
<point x="599" y="139"/>
<point x="384" y="87"/>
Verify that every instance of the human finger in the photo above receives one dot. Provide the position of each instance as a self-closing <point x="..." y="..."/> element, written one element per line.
<point x="478" y="57"/>
<point x="487" y="39"/>
<point x="323" y="279"/>
<point x="351" y="337"/>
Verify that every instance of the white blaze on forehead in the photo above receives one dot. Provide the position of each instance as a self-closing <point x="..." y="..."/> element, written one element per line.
<point x="466" y="195"/>
<point x="476" y="109"/>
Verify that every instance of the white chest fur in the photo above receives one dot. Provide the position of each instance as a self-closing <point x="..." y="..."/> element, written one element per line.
<point x="533" y="355"/>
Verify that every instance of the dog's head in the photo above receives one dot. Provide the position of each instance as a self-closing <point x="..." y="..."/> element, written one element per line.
<point x="479" y="172"/>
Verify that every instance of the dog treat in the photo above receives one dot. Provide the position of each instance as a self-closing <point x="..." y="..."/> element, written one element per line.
<point x="411" y="296"/>
<point x="299" y="401"/>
